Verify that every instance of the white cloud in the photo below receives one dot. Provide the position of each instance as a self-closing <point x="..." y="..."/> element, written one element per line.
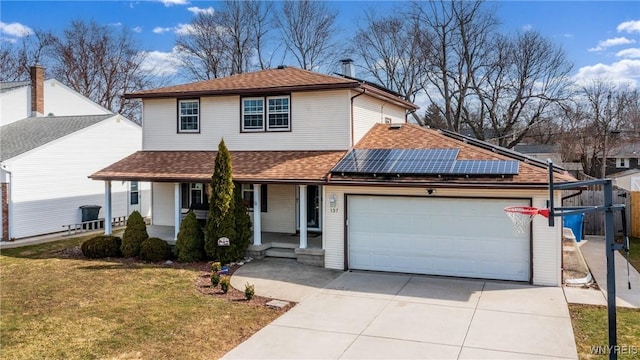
<point x="137" y="29"/>
<point x="527" y="27"/>
<point x="116" y="24"/>
<point x="196" y="10"/>
<point x="160" y="63"/>
<point x="629" y="26"/>
<point x="161" y="30"/>
<point x="612" y="42"/>
<point x="631" y="53"/>
<point x="623" y="71"/>
<point x="184" y="29"/>
<point x="174" y="2"/>
<point x="9" y="40"/>
<point x="568" y="35"/>
<point x="15" y="29"/>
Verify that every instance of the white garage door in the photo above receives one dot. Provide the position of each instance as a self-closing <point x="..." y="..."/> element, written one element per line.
<point x="437" y="236"/>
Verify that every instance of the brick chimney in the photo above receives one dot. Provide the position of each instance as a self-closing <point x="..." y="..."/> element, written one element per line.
<point x="37" y="90"/>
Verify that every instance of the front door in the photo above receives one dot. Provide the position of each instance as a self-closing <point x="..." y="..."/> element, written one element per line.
<point x="134" y="196"/>
<point x="314" y="207"/>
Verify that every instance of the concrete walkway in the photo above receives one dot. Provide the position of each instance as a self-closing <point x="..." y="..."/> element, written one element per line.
<point x="593" y="250"/>
<point x="364" y="315"/>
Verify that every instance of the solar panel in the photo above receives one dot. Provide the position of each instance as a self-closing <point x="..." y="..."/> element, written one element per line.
<point x="420" y="162"/>
<point x="486" y="167"/>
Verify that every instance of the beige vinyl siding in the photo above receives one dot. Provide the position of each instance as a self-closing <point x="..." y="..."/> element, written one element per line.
<point x="368" y="111"/>
<point x="546" y="240"/>
<point x="281" y="209"/>
<point x="163" y="205"/>
<point x="51" y="182"/>
<point x="319" y="121"/>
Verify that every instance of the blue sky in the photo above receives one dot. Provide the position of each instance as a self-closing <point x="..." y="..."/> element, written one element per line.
<point x="600" y="37"/>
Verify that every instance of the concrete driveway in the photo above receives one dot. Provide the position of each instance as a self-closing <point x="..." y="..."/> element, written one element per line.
<point x="366" y="315"/>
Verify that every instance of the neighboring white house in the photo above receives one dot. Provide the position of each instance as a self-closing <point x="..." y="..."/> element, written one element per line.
<point x="334" y="160"/>
<point x="628" y="180"/>
<point x="45" y="160"/>
<point x="56" y="100"/>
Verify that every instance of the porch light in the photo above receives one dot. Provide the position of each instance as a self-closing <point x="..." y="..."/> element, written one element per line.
<point x="332" y="200"/>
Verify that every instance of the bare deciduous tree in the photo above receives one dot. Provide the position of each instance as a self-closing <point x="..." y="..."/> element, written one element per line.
<point x="525" y="76"/>
<point x="246" y="25"/>
<point x="15" y="59"/>
<point x="459" y="34"/>
<point x="308" y="29"/>
<point x="228" y="41"/>
<point x="391" y="50"/>
<point x="202" y="49"/>
<point x="600" y="117"/>
<point x="100" y="63"/>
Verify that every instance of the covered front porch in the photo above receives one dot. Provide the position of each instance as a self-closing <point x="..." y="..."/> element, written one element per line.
<point x="274" y="244"/>
<point x="282" y="189"/>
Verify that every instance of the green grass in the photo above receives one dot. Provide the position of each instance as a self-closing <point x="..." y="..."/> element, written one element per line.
<point x="634" y="253"/>
<point x="590" y="328"/>
<point x="64" y="308"/>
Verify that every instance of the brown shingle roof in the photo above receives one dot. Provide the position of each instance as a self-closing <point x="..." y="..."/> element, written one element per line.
<point x="288" y="77"/>
<point x="170" y="166"/>
<point x="410" y="136"/>
<point x="282" y="80"/>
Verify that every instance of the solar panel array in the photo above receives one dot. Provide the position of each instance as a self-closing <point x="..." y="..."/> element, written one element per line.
<point x="420" y="162"/>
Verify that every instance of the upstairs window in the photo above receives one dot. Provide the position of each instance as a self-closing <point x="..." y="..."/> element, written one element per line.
<point x="253" y="114"/>
<point x="188" y="116"/>
<point x="278" y="113"/>
<point x="271" y="113"/>
<point x="622" y="163"/>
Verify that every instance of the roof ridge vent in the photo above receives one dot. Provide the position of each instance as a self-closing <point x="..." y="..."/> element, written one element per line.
<point x="395" y="126"/>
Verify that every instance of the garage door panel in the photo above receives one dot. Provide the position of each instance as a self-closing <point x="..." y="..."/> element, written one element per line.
<point x="440" y="236"/>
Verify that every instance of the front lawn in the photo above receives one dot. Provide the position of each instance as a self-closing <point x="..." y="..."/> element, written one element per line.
<point x="56" y="305"/>
<point x="590" y="329"/>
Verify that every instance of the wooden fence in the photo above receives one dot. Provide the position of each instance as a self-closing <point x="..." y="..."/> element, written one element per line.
<point x="594" y="196"/>
<point x="634" y="214"/>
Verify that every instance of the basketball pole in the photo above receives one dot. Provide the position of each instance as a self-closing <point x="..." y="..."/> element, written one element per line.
<point x="610" y="246"/>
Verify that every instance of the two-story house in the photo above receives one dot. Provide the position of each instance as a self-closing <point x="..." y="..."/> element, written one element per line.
<point x="337" y="177"/>
<point x="51" y="138"/>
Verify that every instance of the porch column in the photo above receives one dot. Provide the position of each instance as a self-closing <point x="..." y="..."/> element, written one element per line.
<point x="257" y="205"/>
<point x="108" y="215"/>
<point x="303" y="216"/>
<point x="177" y="204"/>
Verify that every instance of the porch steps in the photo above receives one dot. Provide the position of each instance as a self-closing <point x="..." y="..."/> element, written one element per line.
<point x="280" y="252"/>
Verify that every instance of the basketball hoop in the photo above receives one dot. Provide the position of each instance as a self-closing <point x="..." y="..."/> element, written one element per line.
<point x="522" y="215"/>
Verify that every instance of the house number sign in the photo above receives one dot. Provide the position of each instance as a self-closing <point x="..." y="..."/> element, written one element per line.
<point x="223" y="241"/>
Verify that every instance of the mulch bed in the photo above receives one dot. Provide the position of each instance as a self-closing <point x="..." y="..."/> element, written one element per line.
<point x="202" y="282"/>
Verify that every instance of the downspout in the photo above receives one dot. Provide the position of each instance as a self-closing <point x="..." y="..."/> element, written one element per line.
<point x="352" y="128"/>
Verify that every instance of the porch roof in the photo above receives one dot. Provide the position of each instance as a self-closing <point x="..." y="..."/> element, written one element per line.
<point x="248" y="166"/>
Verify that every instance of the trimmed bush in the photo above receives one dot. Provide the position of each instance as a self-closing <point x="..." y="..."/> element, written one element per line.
<point x="101" y="247"/>
<point x="249" y="291"/>
<point x="215" y="279"/>
<point x="216" y="266"/>
<point x="190" y="244"/>
<point x="225" y="283"/>
<point x="134" y="235"/>
<point x="220" y="220"/>
<point x="154" y="249"/>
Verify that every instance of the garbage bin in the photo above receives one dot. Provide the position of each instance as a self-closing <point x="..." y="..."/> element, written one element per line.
<point x="574" y="222"/>
<point x="90" y="212"/>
